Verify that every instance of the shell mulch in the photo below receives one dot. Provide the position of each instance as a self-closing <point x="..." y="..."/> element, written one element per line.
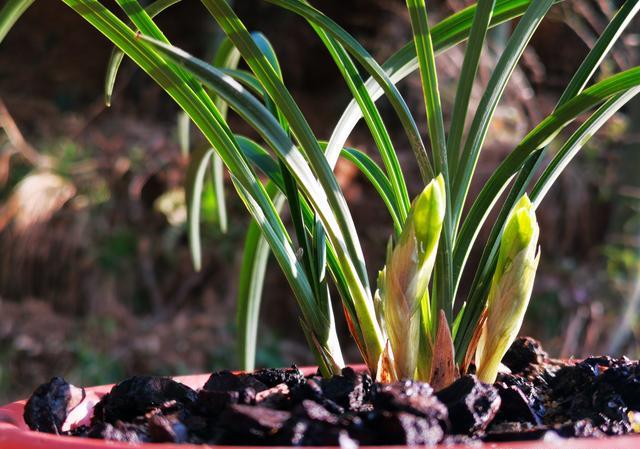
<point x="592" y="398"/>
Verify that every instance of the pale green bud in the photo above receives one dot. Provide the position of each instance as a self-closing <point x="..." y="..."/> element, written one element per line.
<point x="404" y="282"/>
<point x="511" y="288"/>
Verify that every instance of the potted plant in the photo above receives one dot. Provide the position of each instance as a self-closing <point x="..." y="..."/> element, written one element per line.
<point x="413" y="328"/>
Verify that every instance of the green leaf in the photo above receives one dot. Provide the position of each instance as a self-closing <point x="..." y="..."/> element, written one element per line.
<point x="194" y="181"/>
<point x="373" y="68"/>
<point x="429" y="77"/>
<point x="477" y="35"/>
<point x="488" y="260"/>
<point x="246" y="79"/>
<point x="228" y="57"/>
<point x="184" y="131"/>
<point x="313" y="245"/>
<point x="143" y="21"/>
<point x="352" y="258"/>
<point x="116" y="56"/>
<point x="489" y="102"/>
<point x="445" y="34"/>
<point x="538" y="138"/>
<point x="324" y="193"/>
<point x="262" y="160"/>
<point x="267" y="165"/>
<point x="365" y="164"/>
<point x="525" y="153"/>
<point x="324" y="334"/>
<point x="309" y="256"/>
<point x="603" y="45"/>
<point x="378" y="179"/>
<point x="250" y="297"/>
<point x="255" y="258"/>
<point x="217" y="178"/>
<point x="584" y="73"/>
<point x="207" y="118"/>
<point x="10" y="13"/>
<point x="575" y="143"/>
<point x="373" y="120"/>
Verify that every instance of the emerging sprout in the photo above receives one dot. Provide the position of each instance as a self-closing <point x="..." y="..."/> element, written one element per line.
<point x="511" y="288"/>
<point x="404" y="282"/>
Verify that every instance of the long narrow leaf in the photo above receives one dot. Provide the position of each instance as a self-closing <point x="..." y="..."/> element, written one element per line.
<point x="375" y="70"/>
<point x="219" y="137"/>
<point x="309" y="256"/>
<point x="116" y="56"/>
<point x="194" y="180"/>
<point x="141" y="18"/>
<point x="489" y="102"/>
<point x="344" y="237"/>
<point x="374" y="174"/>
<point x="313" y="255"/>
<point x="429" y="77"/>
<point x="250" y="286"/>
<point x="10" y="13"/>
<point x="266" y="74"/>
<point x="256" y="114"/>
<point x="537" y="139"/>
<point x="480" y="285"/>
<point x="144" y="22"/>
<point x="378" y="179"/>
<point x="576" y="142"/>
<point x="603" y="45"/>
<point x="586" y="70"/>
<point x="256" y="249"/>
<point x="261" y="158"/>
<point x="226" y="56"/>
<point x="368" y="167"/>
<point x="217" y="179"/>
<point x="479" y="28"/>
<point x="373" y="120"/>
<point x="250" y="299"/>
<point x="447" y="33"/>
<point x="286" y="257"/>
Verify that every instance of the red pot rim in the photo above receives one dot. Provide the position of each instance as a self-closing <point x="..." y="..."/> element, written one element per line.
<point x="15" y="434"/>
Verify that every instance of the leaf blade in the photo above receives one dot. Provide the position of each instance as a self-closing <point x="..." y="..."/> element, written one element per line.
<point x="489" y="102"/>
<point x="10" y="13"/>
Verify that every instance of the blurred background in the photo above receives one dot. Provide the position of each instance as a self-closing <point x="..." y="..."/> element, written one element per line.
<point x="96" y="281"/>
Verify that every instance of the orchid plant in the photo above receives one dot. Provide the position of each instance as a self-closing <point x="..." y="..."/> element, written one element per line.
<point x="414" y="323"/>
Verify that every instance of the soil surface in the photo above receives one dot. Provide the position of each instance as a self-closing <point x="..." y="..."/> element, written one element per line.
<point x="533" y="398"/>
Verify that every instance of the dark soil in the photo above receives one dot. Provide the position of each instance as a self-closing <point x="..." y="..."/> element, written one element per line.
<point x="591" y="398"/>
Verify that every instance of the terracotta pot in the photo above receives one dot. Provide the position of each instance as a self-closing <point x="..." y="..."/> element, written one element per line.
<point x="14" y="433"/>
